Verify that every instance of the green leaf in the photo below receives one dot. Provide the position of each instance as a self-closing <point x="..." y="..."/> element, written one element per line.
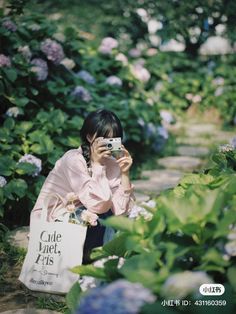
<point x="72" y="297"/>
<point x="9" y="123"/>
<point x="23" y="127"/>
<point x="25" y="168"/>
<point x="231" y="274"/>
<point x="16" y="187"/>
<point x="120" y="223"/>
<point x="117" y="246"/>
<point x="11" y="74"/>
<point x="6" y="165"/>
<point x="89" y="270"/>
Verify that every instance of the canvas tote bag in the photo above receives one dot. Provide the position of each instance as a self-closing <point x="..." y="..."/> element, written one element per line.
<point x="54" y="248"/>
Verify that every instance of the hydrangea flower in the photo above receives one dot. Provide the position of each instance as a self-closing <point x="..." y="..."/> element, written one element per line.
<point x="52" y="50"/>
<point x="234" y="120"/>
<point x="4" y="61"/>
<point x="119" y="297"/>
<point x="81" y="93"/>
<point x="140" y="73"/>
<point x="162" y="131"/>
<point x="122" y="58"/>
<point x="166" y="116"/>
<point x="114" y="81"/>
<point x="86" y="77"/>
<point x="87" y="282"/>
<point x="219" y="91"/>
<point x="107" y="44"/>
<point x="218" y="81"/>
<point x="13" y="112"/>
<point x="3" y="182"/>
<point x="26" y="52"/>
<point x="31" y="159"/>
<point x="226" y="148"/>
<point x="40" y="68"/>
<point x="230" y="248"/>
<point x="100" y="263"/>
<point x="68" y="63"/>
<point x="151" y="52"/>
<point x="9" y="25"/>
<point x="134" y="53"/>
<point x="182" y="284"/>
<point x="233" y="142"/>
<point x="139" y="211"/>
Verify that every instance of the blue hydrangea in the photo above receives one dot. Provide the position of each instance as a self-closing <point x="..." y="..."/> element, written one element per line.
<point x="119" y="297"/>
<point x="81" y="93"/>
<point x="86" y="77"/>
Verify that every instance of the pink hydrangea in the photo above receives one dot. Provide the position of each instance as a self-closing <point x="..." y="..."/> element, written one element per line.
<point x="52" y="50"/>
<point x="4" y="61"/>
<point x="140" y="73"/>
<point x="107" y="44"/>
<point x="40" y="68"/>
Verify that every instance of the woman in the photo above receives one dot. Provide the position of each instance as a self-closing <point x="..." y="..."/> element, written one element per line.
<point x="100" y="182"/>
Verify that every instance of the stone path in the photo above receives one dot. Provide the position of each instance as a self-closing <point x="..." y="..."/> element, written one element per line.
<point x="195" y="142"/>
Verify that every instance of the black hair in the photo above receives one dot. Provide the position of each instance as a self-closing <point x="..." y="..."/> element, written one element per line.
<point x="103" y="123"/>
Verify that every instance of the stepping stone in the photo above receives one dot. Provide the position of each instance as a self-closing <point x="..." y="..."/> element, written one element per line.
<point x="195" y="141"/>
<point x="158" y="180"/>
<point x="193" y="151"/>
<point x="19" y="237"/>
<point x="185" y="163"/>
<point x="30" y="311"/>
<point x="200" y="129"/>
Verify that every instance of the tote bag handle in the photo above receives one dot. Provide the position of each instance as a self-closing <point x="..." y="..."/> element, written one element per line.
<point x="46" y="202"/>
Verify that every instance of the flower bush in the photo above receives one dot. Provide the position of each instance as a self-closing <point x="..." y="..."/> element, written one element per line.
<point x="206" y="81"/>
<point x="187" y="240"/>
<point x="50" y="80"/>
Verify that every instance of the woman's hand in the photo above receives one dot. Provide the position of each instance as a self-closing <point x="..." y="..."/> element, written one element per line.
<point x="125" y="162"/>
<point x="99" y="151"/>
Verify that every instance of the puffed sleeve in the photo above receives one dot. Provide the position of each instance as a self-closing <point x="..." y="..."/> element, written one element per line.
<point x="122" y="200"/>
<point x="94" y="192"/>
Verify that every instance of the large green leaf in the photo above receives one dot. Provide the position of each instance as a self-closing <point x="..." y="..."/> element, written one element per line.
<point x="89" y="270"/>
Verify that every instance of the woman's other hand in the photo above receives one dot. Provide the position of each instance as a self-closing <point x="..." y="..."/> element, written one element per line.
<point x="125" y="162"/>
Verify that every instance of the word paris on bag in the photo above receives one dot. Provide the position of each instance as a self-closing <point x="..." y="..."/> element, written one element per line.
<point x="54" y="248"/>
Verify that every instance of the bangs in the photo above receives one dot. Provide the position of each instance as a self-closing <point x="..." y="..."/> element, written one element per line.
<point x="109" y="130"/>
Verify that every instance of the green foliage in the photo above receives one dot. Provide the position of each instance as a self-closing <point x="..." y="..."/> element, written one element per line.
<point x="190" y="229"/>
<point x="41" y="113"/>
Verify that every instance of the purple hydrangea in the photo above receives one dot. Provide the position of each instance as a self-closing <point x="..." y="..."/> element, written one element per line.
<point x="26" y="52"/>
<point x="134" y="53"/>
<point x="86" y="77"/>
<point x="31" y="159"/>
<point x="9" y="25"/>
<point x="119" y="297"/>
<point x="40" y="68"/>
<point x="166" y="116"/>
<point x="81" y="93"/>
<point x="107" y="44"/>
<point x="3" y="182"/>
<point x="52" y="50"/>
<point x="114" y="81"/>
<point x="4" y="61"/>
<point x="233" y="142"/>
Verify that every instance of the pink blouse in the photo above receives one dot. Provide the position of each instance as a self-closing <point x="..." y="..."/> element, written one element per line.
<point x="98" y="193"/>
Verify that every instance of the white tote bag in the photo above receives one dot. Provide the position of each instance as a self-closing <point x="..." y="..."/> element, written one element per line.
<point x="54" y="248"/>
